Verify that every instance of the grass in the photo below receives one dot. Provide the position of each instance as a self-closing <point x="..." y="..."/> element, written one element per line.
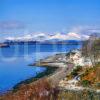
<point x="41" y="90"/>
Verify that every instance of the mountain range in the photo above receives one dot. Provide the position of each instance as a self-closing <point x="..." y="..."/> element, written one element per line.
<point x="42" y="37"/>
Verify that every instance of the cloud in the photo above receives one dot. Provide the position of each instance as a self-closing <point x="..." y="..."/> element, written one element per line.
<point x="11" y="25"/>
<point x="86" y="29"/>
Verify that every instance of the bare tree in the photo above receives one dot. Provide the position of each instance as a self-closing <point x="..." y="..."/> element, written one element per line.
<point x="91" y="49"/>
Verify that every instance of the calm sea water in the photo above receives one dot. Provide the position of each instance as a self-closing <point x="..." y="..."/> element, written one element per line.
<point x="14" y="62"/>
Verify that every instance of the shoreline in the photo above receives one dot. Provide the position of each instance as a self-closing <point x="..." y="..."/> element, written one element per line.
<point x="53" y="69"/>
<point x="49" y="71"/>
<point x="39" y="76"/>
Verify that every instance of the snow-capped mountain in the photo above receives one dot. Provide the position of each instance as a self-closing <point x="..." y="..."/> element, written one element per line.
<point x="42" y="37"/>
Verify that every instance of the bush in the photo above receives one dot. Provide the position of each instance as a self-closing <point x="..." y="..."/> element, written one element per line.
<point x="98" y="85"/>
<point x="78" y="68"/>
<point x="75" y="71"/>
<point x="85" y="83"/>
<point x="98" y="64"/>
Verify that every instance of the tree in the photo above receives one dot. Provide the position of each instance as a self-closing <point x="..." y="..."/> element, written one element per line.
<point x="91" y="49"/>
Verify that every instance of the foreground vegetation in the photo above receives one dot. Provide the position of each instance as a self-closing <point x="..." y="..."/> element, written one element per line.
<point x="89" y="76"/>
<point x="41" y="90"/>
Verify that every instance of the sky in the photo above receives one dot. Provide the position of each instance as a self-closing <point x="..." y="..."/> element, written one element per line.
<point x="26" y="16"/>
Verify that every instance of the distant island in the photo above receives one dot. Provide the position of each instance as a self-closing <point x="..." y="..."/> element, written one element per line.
<point x="2" y="45"/>
<point x="68" y="42"/>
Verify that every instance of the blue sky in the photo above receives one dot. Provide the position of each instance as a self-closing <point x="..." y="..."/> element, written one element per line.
<point x="47" y="15"/>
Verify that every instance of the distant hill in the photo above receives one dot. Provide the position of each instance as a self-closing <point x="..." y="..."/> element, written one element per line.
<point x="68" y="42"/>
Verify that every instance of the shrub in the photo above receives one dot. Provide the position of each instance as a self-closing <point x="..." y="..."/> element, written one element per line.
<point x="85" y="83"/>
<point x="75" y="71"/>
<point x="98" y="85"/>
<point x="78" y="68"/>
